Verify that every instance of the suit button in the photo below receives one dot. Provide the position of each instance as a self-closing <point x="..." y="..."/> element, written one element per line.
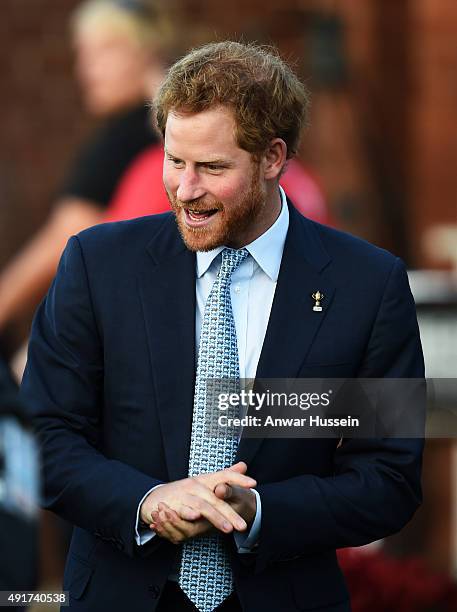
<point x="154" y="591"/>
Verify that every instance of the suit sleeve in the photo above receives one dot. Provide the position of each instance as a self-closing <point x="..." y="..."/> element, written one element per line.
<point x="376" y="485"/>
<point x="63" y="390"/>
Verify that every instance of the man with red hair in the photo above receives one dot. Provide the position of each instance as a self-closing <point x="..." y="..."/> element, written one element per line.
<point x="233" y="284"/>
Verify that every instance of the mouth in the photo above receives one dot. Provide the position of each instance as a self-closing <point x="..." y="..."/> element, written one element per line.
<point x="198" y="218"/>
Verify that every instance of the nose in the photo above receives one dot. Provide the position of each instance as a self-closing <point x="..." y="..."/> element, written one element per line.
<point x="189" y="187"/>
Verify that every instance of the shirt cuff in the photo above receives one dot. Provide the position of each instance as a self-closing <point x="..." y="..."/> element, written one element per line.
<point x="244" y="541"/>
<point x="143" y="535"/>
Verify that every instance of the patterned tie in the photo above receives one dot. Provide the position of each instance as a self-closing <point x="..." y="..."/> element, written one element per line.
<point x="205" y="574"/>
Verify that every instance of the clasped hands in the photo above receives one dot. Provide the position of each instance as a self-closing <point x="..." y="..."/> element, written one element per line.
<point x="201" y="504"/>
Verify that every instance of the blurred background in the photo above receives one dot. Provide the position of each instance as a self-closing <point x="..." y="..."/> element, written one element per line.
<point x="379" y="159"/>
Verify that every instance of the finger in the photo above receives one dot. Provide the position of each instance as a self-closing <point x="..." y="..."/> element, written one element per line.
<point x="184" y="512"/>
<point x="185" y="528"/>
<point x="172" y="516"/>
<point x="227" y="477"/>
<point x="159" y="528"/>
<point x="155" y="518"/>
<point x="157" y="524"/>
<point x="218" y="507"/>
<point x="218" y="512"/>
<point x="236" y="479"/>
<point x="170" y="531"/>
<point x="158" y="521"/>
<point x="209" y="512"/>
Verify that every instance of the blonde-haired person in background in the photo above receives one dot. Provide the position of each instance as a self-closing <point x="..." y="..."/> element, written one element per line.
<point x="122" y="49"/>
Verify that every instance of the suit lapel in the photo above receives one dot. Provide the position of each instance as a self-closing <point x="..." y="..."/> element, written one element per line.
<point x="167" y="289"/>
<point x="293" y="324"/>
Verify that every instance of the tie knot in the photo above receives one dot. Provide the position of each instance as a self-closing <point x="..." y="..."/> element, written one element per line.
<point x="231" y="259"/>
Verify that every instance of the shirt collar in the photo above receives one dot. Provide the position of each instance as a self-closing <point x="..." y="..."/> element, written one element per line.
<point x="267" y="249"/>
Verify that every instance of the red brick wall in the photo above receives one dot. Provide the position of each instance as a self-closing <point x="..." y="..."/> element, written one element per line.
<point x="433" y="108"/>
<point x="41" y="118"/>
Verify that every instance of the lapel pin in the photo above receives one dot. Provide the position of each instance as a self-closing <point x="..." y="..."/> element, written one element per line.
<point x="317" y="296"/>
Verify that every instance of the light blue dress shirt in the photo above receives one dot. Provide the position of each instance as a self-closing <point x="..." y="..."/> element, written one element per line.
<point x="252" y="291"/>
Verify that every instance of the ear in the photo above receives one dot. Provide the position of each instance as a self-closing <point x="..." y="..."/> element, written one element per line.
<point x="274" y="158"/>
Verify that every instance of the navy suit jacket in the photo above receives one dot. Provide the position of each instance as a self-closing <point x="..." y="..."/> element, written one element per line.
<point x="110" y="382"/>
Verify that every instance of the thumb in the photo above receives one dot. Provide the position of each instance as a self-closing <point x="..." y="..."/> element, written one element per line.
<point x="223" y="491"/>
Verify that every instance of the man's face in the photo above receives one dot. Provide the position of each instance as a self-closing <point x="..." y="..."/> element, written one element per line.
<point x="215" y="188"/>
